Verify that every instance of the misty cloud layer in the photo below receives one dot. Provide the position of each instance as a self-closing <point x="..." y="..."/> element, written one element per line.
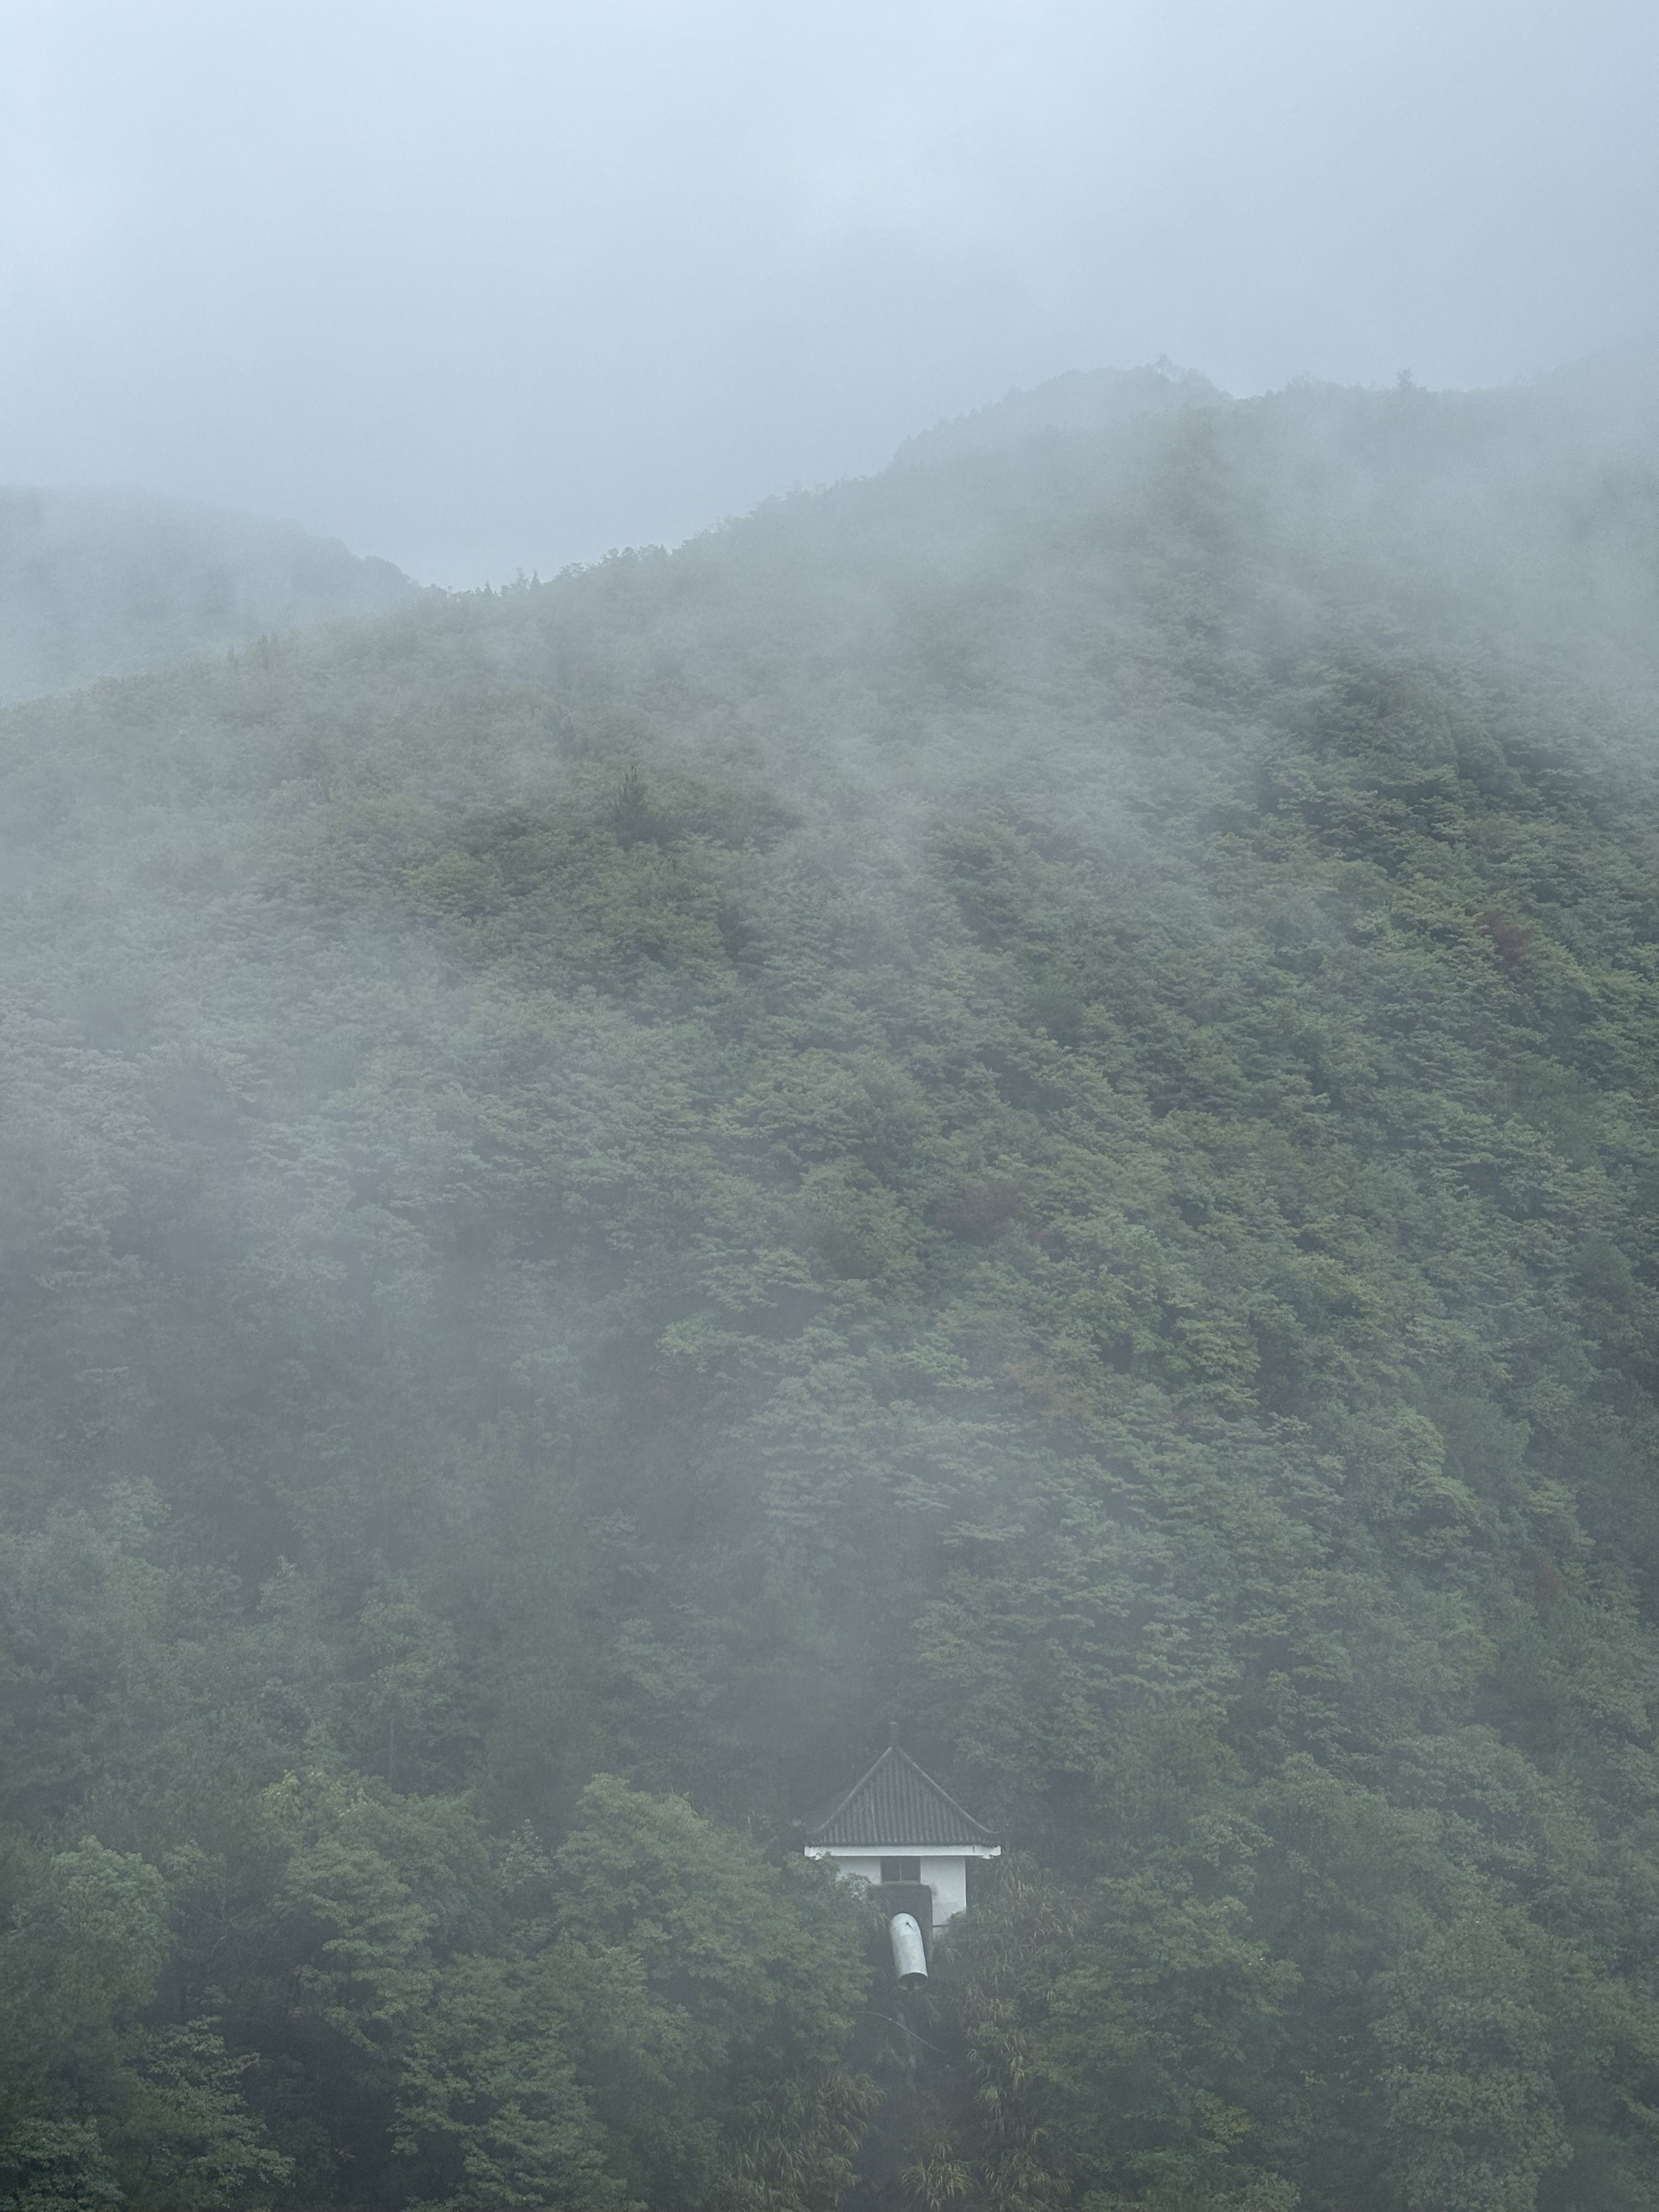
<point x="498" y="287"/>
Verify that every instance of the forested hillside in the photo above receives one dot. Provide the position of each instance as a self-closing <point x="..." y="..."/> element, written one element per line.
<point x="1020" y="1097"/>
<point x="97" y="583"/>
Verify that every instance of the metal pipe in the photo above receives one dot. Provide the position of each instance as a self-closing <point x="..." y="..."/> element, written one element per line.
<point x="909" y="1956"/>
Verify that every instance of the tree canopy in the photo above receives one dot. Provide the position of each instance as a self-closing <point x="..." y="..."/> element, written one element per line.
<point x="1019" y="1095"/>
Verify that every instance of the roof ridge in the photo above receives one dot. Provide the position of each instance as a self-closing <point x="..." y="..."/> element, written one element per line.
<point x="843" y="1802"/>
<point x="939" y="1786"/>
<point x="950" y="1822"/>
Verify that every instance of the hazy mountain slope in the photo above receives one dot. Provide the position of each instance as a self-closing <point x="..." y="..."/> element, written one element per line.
<point x="1020" y="1097"/>
<point x="1082" y="399"/>
<point x="98" y="583"/>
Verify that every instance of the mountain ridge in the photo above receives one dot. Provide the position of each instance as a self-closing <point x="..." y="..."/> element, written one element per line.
<point x="1076" y="400"/>
<point x="1017" y="1099"/>
<point x="105" y="582"/>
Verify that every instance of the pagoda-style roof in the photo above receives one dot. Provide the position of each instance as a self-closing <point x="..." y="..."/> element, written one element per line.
<point x="894" y="1806"/>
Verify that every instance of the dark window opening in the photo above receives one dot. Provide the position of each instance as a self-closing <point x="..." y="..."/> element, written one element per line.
<point x="901" y="1870"/>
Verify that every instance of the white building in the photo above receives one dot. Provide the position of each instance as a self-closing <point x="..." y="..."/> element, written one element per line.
<point x="895" y="1825"/>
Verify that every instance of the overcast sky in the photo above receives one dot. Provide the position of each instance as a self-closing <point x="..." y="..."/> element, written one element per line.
<point x="499" y="284"/>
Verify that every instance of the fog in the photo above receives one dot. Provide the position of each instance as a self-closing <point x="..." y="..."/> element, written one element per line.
<point x="494" y="288"/>
<point x="1010" y="1099"/>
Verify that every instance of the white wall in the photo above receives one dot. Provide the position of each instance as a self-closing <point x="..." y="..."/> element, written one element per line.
<point x="854" y="1869"/>
<point x="944" y="1873"/>
<point x="948" y="1879"/>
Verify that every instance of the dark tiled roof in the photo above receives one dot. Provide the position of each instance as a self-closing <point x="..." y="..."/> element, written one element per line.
<point x="896" y="1805"/>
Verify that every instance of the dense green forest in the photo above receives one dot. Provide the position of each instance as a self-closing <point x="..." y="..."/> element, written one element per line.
<point x="1020" y="1097"/>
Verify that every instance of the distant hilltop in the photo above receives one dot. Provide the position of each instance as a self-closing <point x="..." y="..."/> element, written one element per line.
<point x="1082" y="399"/>
<point x="100" y="582"/>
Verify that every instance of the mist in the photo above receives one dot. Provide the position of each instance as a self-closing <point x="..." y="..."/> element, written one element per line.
<point x="495" y="289"/>
<point x="829" y="1111"/>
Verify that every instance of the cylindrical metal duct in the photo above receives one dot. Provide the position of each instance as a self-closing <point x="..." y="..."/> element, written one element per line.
<point x="910" y="1957"/>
